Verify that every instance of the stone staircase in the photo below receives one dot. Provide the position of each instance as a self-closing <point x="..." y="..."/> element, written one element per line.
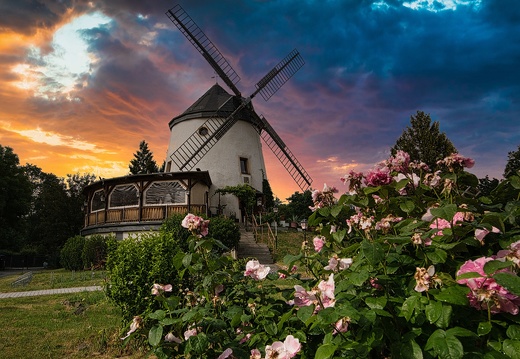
<point x="248" y="248"/>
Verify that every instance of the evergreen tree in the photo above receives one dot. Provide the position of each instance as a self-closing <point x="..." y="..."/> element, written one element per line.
<point x="513" y="163"/>
<point x="423" y="141"/>
<point x="15" y="200"/>
<point x="143" y="161"/>
<point x="268" y="194"/>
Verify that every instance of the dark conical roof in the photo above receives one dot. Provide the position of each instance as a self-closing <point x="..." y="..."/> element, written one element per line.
<point x="208" y="104"/>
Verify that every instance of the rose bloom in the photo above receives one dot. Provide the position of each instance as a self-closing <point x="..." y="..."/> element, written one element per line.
<point x="485" y="292"/>
<point x="378" y="177"/>
<point x="256" y="270"/>
<point x="286" y="350"/>
<point x="318" y="242"/>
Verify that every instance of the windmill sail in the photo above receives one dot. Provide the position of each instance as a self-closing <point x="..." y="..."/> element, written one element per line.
<point x="191" y="151"/>
<point x="203" y="44"/>
<point x="284" y="155"/>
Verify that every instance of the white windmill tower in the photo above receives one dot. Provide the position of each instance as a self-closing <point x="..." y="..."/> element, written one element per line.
<point x="220" y="133"/>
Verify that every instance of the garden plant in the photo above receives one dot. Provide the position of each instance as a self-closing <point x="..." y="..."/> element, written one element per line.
<point x="407" y="263"/>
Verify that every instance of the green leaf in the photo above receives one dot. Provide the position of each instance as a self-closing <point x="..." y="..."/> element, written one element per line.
<point x="509" y="281"/>
<point x="411" y="350"/>
<point x="271" y="328"/>
<point x="484" y="328"/>
<point x="433" y="311"/>
<point x="304" y="313"/>
<point x="186" y="260"/>
<point x="513" y="331"/>
<point x="375" y="302"/>
<point x="515" y="181"/>
<point x="444" y="345"/>
<point x="437" y="256"/>
<point x="158" y="314"/>
<point x="325" y="351"/>
<point x="511" y="348"/>
<point x="336" y="210"/>
<point x="469" y="275"/>
<point x="339" y="235"/>
<point x="370" y="190"/>
<point x="407" y="206"/>
<point x="445" y="212"/>
<point x="408" y="307"/>
<point x="492" y="266"/>
<point x="454" y="295"/>
<point x="444" y="320"/>
<point x="460" y="332"/>
<point x="494" y="220"/>
<point x="358" y="278"/>
<point x="155" y="335"/>
<point x="373" y="252"/>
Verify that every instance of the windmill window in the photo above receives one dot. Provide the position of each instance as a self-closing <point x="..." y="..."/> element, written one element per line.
<point x="203" y="131"/>
<point x="169" y="166"/>
<point x="244" y="167"/>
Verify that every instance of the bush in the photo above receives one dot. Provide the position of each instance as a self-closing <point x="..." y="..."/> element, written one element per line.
<point x="172" y="226"/>
<point x="408" y="263"/>
<point x="71" y="253"/>
<point x="95" y="250"/>
<point x="224" y="230"/>
<point x="135" y="265"/>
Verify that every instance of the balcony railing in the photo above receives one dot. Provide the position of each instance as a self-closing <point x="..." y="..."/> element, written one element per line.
<point x="133" y="215"/>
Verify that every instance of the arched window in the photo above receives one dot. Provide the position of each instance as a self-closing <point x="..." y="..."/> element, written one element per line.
<point x="98" y="201"/>
<point x="168" y="192"/>
<point x="124" y="196"/>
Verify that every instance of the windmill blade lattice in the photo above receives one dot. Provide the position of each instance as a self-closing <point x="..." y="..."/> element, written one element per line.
<point x="200" y="41"/>
<point x="284" y="155"/>
<point x="279" y="75"/>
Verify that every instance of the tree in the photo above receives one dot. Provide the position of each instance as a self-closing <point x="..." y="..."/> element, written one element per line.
<point x="15" y="200"/>
<point x="423" y="141"/>
<point x="513" y="163"/>
<point x="143" y="161"/>
<point x="268" y="194"/>
<point x="299" y="205"/>
<point x="75" y="205"/>
<point x="486" y="185"/>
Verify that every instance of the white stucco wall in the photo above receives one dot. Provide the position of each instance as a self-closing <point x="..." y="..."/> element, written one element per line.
<point x="223" y="160"/>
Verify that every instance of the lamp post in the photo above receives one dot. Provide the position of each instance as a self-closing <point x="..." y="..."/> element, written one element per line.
<point x="275" y="211"/>
<point x="303" y="224"/>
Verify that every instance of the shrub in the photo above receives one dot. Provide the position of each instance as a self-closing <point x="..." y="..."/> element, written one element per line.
<point x="136" y="264"/>
<point x="95" y="250"/>
<point x="406" y="264"/>
<point x="224" y="230"/>
<point x="70" y="254"/>
<point x="172" y="226"/>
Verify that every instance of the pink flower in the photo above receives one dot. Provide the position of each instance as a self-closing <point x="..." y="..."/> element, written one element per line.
<point x="399" y="162"/>
<point x="226" y="353"/>
<point x="441" y="223"/>
<point x="190" y="332"/>
<point x="456" y="161"/>
<point x="136" y="324"/>
<point x="327" y="288"/>
<point x="303" y="298"/>
<point x="341" y="326"/>
<point x="512" y="253"/>
<point x="256" y="270"/>
<point x="480" y="234"/>
<point x="170" y="338"/>
<point x="353" y="180"/>
<point x="375" y="284"/>
<point x="255" y="354"/>
<point x="485" y="291"/>
<point x="335" y="263"/>
<point x="318" y="242"/>
<point x="195" y="225"/>
<point x="158" y="289"/>
<point x="286" y="350"/>
<point x="425" y="278"/>
<point x="378" y="177"/>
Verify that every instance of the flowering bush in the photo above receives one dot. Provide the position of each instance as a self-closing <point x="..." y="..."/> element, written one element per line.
<point x="406" y="264"/>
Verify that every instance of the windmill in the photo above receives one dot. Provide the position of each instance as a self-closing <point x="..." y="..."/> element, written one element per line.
<point x="205" y="136"/>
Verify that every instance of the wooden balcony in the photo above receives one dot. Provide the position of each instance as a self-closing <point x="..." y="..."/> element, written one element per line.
<point x="114" y="216"/>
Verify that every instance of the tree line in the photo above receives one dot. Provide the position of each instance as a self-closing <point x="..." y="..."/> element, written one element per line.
<point x="40" y="211"/>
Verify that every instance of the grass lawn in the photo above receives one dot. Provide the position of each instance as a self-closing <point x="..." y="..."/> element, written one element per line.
<point x="289" y="242"/>
<point x="80" y="325"/>
<point x="54" y="278"/>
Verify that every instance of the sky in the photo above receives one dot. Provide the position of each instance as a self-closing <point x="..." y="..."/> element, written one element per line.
<point x="84" y="82"/>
